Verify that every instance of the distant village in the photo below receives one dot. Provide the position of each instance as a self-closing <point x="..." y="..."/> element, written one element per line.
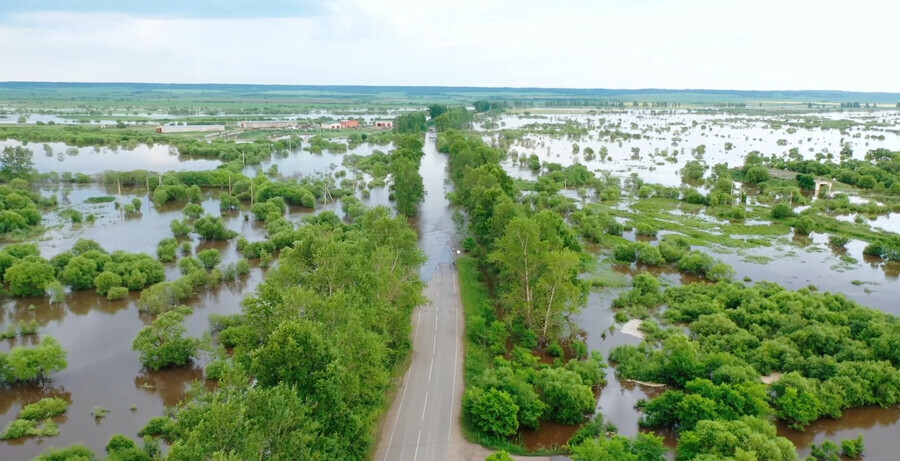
<point x="274" y="125"/>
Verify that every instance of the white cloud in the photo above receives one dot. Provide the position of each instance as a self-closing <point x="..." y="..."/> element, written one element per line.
<point x="765" y="44"/>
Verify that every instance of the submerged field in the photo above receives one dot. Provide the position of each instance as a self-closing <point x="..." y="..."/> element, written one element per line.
<point x="690" y="196"/>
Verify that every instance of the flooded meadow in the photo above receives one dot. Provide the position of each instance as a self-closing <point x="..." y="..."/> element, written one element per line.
<point x="652" y="146"/>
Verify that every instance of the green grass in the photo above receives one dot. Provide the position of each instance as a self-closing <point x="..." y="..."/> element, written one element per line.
<point x="607" y="278"/>
<point x="478" y="314"/>
<point x="100" y="199"/>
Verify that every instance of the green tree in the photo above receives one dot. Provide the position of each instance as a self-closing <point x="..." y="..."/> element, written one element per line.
<point x="213" y="228"/>
<point x="518" y="256"/>
<point x="166" y="249"/>
<point x="435" y="110"/>
<point x="567" y="397"/>
<point x="693" y="171"/>
<point x="482" y="106"/>
<point x="410" y="123"/>
<point x="735" y="439"/>
<point x="804" y="225"/>
<point x="238" y="423"/>
<point x="558" y="291"/>
<point x="106" y="281"/>
<point x="756" y="175"/>
<point x="29" y="278"/>
<point x="26" y="364"/>
<point x="644" y="447"/>
<point x="408" y="188"/>
<point x="210" y="258"/>
<point x="806" y="181"/>
<point x="163" y="343"/>
<point x="16" y="161"/>
<point x="296" y="354"/>
<point x="492" y="411"/>
<point x="782" y="210"/>
<point x="79" y="273"/>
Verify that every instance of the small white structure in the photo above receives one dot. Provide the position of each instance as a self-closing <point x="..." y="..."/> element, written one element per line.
<point x="188" y="128"/>
<point x="819" y="185"/>
<point x="277" y="124"/>
<point x="331" y="126"/>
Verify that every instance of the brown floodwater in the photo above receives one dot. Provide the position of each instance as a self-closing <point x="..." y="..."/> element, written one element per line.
<point x="792" y="262"/>
<point x="103" y="370"/>
<point x="97" y="334"/>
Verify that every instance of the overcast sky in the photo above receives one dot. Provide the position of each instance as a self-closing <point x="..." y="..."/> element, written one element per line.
<point x="717" y="44"/>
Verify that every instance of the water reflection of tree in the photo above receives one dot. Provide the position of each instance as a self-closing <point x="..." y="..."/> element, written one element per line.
<point x="43" y="312"/>
<point x="170" y="384"/>
<point x="853" y="420"/>
<point x="22" y="394"/>
<point x="84" y="302"/>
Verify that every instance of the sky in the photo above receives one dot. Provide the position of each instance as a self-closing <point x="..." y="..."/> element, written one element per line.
<point x="677" y="44"/>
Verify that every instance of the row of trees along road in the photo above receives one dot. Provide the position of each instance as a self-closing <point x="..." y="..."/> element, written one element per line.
<point x="531" y="260"/>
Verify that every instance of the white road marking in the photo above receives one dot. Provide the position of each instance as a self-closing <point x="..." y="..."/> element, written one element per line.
<point x="416" y="455"/>
<point x="455" y="361"/>
<point x="434" y="345"/>
<point x="435" y="323"/>
<point x="387" y="451"/>
<point x="425" y="406"/>
<point x="416" y="336"/>
<point x="431" y="371"/>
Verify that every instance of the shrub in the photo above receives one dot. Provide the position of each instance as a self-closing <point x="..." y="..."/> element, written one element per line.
<point x="163" y="343"/>
<point x="649" y="255"/>
<point x="29" y="278"/>
<point x="804" y="225"/>
<point x="838" y="241"/>
<point x="696" y="262"/>
<point x="209" y="258"/>
<point x="756" y="175"/>
<point x="625" y="253"/>
<point x="853" y="448"/>
<point x="19" y="428"/>
<point x="44" y="408"/>
<point x="567" y="397"/>
<point x="106" y="281"/>
<point x="166" y="250"/>
<point x="782" y="210"/>
<point x="493" y="411"/>
<point x="644" y="229"/>
<point x="116" y="293"/>
<point x="180" y="228"/>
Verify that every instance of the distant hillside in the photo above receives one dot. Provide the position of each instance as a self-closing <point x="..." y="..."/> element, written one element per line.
<point x="92" y="92"/>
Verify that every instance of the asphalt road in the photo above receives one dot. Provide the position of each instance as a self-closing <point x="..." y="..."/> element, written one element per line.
<point x="422" y="423"/>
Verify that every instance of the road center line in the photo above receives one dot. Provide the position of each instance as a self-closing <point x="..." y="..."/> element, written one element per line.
<point x="416" y="455"/>
<point x="424" y="407"/>
<point x="431" y="371"/>
<point x="434" y="345"/>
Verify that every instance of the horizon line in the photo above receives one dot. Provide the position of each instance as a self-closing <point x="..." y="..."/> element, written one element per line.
<point x="443" y="86"/>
